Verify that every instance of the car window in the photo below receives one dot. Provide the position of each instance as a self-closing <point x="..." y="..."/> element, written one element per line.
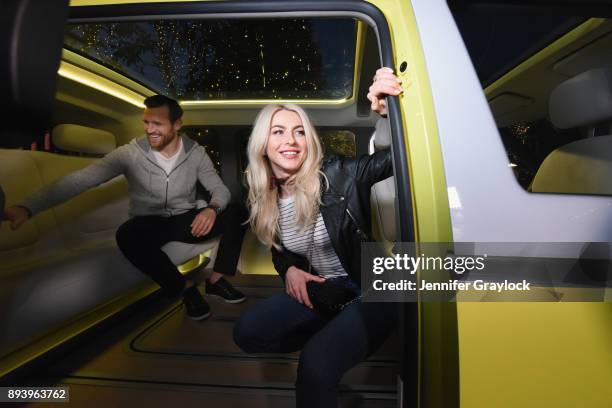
<point x="208" y="137"/>
<point x="222" y="59"/>
<point x="542" y="74"/>
<point x="338" y="141"/>
<point x="496" y="45"/>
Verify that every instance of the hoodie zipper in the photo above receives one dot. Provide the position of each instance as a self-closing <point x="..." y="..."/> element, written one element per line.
<point x="166" y="200"/>
<point x="168" y="174"/>
<point x="168" y="181"/>
<point x="172" y="171"/>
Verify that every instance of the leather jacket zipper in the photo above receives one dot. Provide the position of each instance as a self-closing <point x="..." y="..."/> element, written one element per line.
<point x="359" y="230"/>
<point x="363" y="235"/>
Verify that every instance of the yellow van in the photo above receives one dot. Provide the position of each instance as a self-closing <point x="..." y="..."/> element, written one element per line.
<point x="503" y="134"/>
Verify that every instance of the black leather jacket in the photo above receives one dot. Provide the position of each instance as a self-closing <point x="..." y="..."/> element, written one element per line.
<point x="345" y="208"/>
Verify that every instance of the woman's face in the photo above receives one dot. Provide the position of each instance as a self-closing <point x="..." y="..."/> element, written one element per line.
<point x="286" y="148"/>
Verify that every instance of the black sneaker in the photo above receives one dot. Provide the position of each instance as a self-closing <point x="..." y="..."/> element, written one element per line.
<point x="224" y="289"/>
<point x="195" y="305"/>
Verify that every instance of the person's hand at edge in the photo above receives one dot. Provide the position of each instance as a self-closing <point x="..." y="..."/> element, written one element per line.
<point x="16" y="215"/>
<point x="384" y="83"/>
<point x="203" y="222"/>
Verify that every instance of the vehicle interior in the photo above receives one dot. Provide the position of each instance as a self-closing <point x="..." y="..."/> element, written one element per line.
<point x="75" y="311"/>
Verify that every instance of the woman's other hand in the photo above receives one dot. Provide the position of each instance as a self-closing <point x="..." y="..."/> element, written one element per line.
<point x="384" y="83"/>
<point x="295" y="284"/>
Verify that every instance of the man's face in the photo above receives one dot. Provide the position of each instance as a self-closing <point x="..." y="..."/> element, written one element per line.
<point x="158" y="127"/>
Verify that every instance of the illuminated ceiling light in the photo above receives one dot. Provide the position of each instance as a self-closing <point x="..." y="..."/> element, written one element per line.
<point x="257" y="102"/>
<point x="94" y="81"/>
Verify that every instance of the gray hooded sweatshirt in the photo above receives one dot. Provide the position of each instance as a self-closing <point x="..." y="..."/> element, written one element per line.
<point x="151" y="190"/>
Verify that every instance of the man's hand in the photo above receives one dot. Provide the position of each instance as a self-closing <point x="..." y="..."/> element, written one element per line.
<point x="385" y="83"/>
<point x="16" y="215"/>
<point x="203" y="222"/>
<point x="295" y="284"/>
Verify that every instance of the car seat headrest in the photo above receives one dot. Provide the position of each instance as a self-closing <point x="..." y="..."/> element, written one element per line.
<point x="585" y="99"/>
<point x="82" y="139"/>
<point x="382" y="135"/>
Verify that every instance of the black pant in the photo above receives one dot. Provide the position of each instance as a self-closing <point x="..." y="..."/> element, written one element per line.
<point x="330" y="347"/>
<point x="141" y="238"/>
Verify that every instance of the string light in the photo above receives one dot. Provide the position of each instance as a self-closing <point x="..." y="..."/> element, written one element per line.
<point x="191" y="59"/>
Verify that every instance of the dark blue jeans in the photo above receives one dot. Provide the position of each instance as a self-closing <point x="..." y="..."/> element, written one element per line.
<point x="330" y="346"/>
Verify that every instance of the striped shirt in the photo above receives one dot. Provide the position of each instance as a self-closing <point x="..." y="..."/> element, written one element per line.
<point x="324" y="258"/>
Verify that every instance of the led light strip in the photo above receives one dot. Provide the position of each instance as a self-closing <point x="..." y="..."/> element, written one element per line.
<point x="101" y="84"/>
<point x="259" y="102"/>
<point x="94" y="81"/>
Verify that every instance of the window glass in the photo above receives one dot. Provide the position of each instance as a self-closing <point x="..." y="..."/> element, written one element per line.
<point x="498" y="41"/>
<point x="528" y="144"/>
<point x="551" y="111"/>
<point x="338" y="142"/>
<point x="227" y="59"/>
<point x="207" y="137"/>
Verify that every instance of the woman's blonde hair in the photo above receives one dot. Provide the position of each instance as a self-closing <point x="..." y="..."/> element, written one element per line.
<point x="305" y="183"/>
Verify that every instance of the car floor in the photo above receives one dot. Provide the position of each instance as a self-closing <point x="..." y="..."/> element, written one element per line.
<point x="157" y="357"/>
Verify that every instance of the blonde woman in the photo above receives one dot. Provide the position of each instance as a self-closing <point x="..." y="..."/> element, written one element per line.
<point x="313" y="215"/>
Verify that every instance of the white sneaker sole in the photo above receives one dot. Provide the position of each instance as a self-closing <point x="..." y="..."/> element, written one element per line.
<point x="204" y="316"/>
<point x="228" y="300"/>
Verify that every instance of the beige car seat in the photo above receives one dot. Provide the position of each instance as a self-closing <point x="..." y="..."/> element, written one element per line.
<point x="382" y="196"/>
<point x="583" y="166"/>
